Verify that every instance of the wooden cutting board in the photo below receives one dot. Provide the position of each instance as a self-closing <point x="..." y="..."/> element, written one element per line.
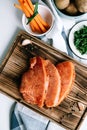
<point x="70" y="113"/>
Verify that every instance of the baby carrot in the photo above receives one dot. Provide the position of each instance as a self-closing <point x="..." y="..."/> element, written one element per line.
<point x="39" y="16"/>
<point x="32" y="27"/>
<point x="28" y="9"/>
<point x="31" y="13"/>
<point x="18" y="6"/>
<point x="42" y="21"/>
<point x="24" y="9"/>
<point x="36" y="19"/>
<point x="30" y="4"/>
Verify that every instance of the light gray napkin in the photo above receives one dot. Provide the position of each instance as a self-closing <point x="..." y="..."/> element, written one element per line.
<point x="23" y="118"/>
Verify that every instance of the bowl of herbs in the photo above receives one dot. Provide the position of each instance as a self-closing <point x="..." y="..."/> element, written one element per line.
<point x="78" y="39"/>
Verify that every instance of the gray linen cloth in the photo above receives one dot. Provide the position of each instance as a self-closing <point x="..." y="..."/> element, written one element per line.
<point x="23" y="118"/>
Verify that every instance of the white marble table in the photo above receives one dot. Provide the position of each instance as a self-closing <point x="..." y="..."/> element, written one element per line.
<point x="10" y="24"/>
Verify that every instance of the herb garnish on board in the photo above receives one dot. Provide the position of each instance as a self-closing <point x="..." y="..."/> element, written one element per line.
<point x="80" y="40"/>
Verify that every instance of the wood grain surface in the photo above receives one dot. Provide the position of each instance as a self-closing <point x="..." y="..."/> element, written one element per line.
<point x="71" y="111"/>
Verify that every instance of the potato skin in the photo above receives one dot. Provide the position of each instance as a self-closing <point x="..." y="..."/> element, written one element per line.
<point x="62" y="4"/>
<point x="81" y="5"/>
<point x="71" y="9"/>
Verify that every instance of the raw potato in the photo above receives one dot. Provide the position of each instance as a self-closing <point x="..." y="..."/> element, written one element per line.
<point x="81" y="5"/>
<point x="62" y="4"/>
<point x="71" y="9"/>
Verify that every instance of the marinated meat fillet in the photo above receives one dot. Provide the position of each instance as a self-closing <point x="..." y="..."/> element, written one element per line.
<point x="35" y="82"/>
<point x="54" y="86"/>
<point x="67" y="72"/>
<point x="45" y="83"/>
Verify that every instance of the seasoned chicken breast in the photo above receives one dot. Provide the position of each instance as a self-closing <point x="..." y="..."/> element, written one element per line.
<point x="54" y="86"/>
<point x="35" y="82"/>
<point x="47" y="84"/>
<point x="67" y="72"/>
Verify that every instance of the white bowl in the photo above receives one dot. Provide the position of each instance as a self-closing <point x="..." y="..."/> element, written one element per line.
<point x="76" y="27"/>
<point x="67" y="16"/>
<point x="46" y="14"/>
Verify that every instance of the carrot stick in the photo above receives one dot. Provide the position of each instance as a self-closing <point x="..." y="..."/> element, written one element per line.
<point x="31" y="13"/>
<point x="28" y="12"/>
<point x="21" y="1"/>
<point x="27" y="7"/>
<point x="39" y="23"/>
<point x="39" y="17"/>
<point x="36" y="19"/>
<point x="43" y="22"/>
<point x="33" y="22"/>
<point x="18" y="6"/>
<point x="32" y="27"/>
<point x="24" y="9"/>
<point x="30" y="4"/>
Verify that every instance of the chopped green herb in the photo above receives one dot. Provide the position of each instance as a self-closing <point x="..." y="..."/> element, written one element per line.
<point x="80" y="40"/>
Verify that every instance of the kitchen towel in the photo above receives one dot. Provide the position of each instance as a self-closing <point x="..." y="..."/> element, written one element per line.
<point x="23" y="118"/>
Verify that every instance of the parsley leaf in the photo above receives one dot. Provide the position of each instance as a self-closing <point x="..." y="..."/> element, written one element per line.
<point x="80" y="40"/>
